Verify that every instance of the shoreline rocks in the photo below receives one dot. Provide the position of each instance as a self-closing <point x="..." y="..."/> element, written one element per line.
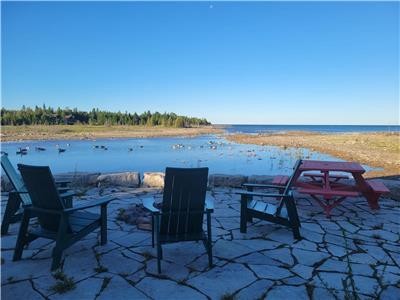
<point x="153" y="179"/>
<point x="128" y="179"/>
<point x="226" y="180"/>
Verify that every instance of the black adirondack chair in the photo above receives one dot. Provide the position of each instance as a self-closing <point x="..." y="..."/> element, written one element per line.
<point x="19" y="196"/>
<point x="284" y="213"/>
<point x="56" y="222"/>
<point x="181" y="215"/>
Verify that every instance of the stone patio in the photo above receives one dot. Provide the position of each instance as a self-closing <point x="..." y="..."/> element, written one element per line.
<point x="354" y="255"/>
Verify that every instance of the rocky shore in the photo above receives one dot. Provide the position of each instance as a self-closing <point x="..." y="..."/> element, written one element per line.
<point x="80" y="132"/>
<point x="376" y="149"/>
<point x="81" y="181"/>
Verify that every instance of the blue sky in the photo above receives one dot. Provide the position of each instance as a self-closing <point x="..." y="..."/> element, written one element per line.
<point x="248" y="63"/>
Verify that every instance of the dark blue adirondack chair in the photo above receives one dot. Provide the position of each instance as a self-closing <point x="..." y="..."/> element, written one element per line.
<point x="284" y="213"/>
<point x="181" y="215"/>
<point x="64" y="225"/>
<point x="19" y="196"/>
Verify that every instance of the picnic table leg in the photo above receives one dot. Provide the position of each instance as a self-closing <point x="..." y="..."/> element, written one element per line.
<point x="366" y="191"/>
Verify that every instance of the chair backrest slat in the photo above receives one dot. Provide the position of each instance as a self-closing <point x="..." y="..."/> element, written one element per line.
<point x="183" y="201"/>
<point x="43" y="192"/>
<point x="15" y="179"/>
<point x="288" y="186"/>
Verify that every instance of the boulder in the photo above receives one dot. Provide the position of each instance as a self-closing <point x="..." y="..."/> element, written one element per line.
<point x="226" y="180"/>
<point x="128" y="179"/>
<point x="260" y="179"/>
<point x="153" y="179"/>
<point x="81" y="179"/>
<point x="6" y="185"/>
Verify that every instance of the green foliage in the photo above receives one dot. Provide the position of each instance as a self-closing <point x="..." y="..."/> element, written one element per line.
<point x="50" y="116"/>
<point x="63" y="284"/>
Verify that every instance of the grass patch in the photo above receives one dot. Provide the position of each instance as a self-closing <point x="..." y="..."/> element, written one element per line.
<point x="101" y="269"/>
<point x="63" y="284"/>
<point x="227" y="296"/>
<point x="376" y="236"/>
<point x="147" y="255"/>
<point x="377" y="226"/>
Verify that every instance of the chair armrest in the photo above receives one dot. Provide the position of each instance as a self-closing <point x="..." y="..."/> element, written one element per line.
<point x="67" y="194"/>
<point x="63" y="182"/>
<point x="263" y="194"/>
<point x="101" y="201"/>
<point x="42" y="210"/>
<point x="209" y="205"/>
<point x="270" y="186"/>
<point x="148" y="204"/>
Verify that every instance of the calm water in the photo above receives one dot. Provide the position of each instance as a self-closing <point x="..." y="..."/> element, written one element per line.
<point x="317" y="128"/>
<point x="154" y="154"/>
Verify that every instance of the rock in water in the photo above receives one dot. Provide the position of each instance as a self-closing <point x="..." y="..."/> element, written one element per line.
<point x="129" y="179"/>
<point x="153" y="179"/>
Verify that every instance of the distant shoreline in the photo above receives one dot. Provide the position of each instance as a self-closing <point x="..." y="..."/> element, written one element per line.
<point x="376" y="149"/>
<point x="87" y="132"/>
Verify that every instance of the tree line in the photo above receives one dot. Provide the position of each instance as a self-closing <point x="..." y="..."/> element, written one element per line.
<point x="50" y="116"/>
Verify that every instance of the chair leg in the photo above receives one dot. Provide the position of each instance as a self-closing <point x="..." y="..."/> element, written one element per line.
<point x="21" y="240"/>
<point x="243" y="214"/>
<point x="57" y="255"/>
<point x="60" y="243"/>
<point x="152" y="231"/>
<point x="12" y="206"/>
<point x="293" y="217"/>
<point x="209" y="239"/>
<point x="159" y="249"/>
<point x="103" y="225"/>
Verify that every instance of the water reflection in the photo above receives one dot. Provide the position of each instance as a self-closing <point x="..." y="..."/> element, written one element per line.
<point x="154" y="154"/>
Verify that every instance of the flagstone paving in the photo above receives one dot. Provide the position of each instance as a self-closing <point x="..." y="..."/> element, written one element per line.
<point x="354" y="255"/>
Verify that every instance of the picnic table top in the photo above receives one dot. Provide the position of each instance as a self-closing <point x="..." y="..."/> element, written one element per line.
<point x="338" y="166"/>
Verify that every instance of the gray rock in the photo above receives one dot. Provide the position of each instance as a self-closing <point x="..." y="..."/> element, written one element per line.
<point x="19" y="290"/>
<point x="220" y="281"/>
<point x="255" y="290"/>
<point x="167" y="290"/>
<point x="366" y="285"/>
<point x="361" y="269"/>
<point x="257" y="259"/>
<point x="120" y="289"/>
<point x="322" y="293"/>
<point x="390" y="293"/>
<point x="303" y="271"/>
<point x="260" y="179"/>
<point x="282" y="254"/>
<point x="229" y="249"/>
<point x="309" y="258"/>
<point x="173" y="271"/>
<point x="380" y="234"/>
<point x="116" y="263"/>
<point x="333" y="265"/>
<point x="79" y="178"/>
<point x="336" y="250"/>
<point x="305" y="245"/>
<point x="153" y="179"/>
<point x="226" y="180"/>
<point x="287" y="292"/>
<point x="6" y="185"/>
<point x="80" y="265"/>
<point x="128" y="179"/>
<point x="348" y="226"/>
<point x="270" y="272"/>
<point x="362" y="258"/>
<point x="333" y="280"/>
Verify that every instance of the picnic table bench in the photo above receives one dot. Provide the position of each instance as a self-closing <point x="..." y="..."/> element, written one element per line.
<point x="328" y="185"/>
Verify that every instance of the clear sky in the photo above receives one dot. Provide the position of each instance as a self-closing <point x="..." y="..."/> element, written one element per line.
<point x="242" y="63"/>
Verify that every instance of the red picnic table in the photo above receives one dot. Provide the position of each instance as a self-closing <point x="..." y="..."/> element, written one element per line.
<point x="330" y="187"/>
